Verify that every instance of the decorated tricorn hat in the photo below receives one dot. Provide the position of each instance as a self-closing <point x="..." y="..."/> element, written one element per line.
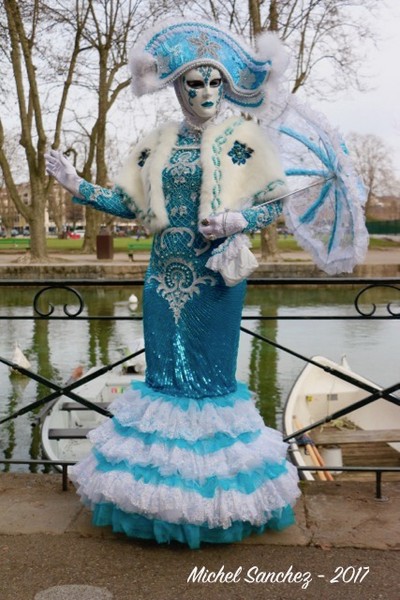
<point x="167" y="51"/>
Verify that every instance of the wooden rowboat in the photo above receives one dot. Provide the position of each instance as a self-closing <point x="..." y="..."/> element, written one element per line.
<point x="365" y="437"/>
<point x="66" y="423"/>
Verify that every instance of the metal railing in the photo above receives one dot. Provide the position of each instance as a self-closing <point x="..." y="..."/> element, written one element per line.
<point x="360" y="286"/>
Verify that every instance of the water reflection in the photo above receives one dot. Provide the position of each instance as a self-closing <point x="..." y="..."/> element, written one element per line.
<point x="56" y="347"/>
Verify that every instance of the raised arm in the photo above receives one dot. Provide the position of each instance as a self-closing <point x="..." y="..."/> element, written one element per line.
<point x="114" y="201"/>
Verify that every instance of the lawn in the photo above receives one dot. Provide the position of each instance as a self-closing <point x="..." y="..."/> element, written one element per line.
<point x="121" y="244"/>
<point x="126" y="244"/>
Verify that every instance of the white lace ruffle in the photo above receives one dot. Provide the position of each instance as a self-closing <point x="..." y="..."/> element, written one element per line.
<point x="226" y="462"/>
<point x="148" y="415"/>
<point x="174" y="505"/>
<point x="233" y="260"/>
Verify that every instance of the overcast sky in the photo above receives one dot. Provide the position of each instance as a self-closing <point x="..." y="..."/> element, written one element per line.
<point x="377" y="111"/>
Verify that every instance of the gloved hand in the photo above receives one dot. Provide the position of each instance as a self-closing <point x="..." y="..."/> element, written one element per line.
<point x="59" y="167"/>
<point x="222" y="225"/>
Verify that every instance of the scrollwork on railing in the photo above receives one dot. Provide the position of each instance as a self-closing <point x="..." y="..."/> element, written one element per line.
<point x="370" y="313"/>
<point x="67" y="311"/>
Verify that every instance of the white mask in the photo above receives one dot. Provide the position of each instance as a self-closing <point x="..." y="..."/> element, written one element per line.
<point x="199" y="92"/>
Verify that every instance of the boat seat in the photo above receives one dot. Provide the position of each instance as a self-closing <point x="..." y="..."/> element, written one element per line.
<point x="337" y="436"/>
<point x="68" y="434"/>
<point x="76" y="406"/>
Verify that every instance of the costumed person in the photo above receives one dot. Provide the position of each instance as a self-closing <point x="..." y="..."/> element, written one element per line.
<point x="187" y="456"/>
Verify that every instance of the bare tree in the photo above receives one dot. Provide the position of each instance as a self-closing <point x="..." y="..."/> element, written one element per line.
<point x="22" y="23"/>
<point x="68" y="61"/>
<point x="324" y="37"/>
<point x="374" y="163"/>
<point x="110" y="31"/>
<point x="326" y="40"/>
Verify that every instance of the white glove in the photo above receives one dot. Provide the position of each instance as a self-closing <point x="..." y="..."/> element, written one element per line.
<point x="222" y="225"/>
<point x="59" y="167"/>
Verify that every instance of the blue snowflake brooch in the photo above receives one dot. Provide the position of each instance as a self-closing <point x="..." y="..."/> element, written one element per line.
<point x="240" y="153"/>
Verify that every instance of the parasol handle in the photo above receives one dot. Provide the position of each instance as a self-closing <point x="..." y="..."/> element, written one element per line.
<point x="306" y="187"/>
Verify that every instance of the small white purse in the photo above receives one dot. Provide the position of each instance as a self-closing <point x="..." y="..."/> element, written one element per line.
<point x="233" y="259"/>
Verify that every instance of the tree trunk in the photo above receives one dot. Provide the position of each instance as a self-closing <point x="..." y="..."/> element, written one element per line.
<point x="269" y="244"/>
<point x="93" y="222"/>
<point x="255" y="17"/>
<point x="94" y="218"/>
<point x="269" y="236"/>
<point x="36" y="223"/>
<point x="22" y="33"/>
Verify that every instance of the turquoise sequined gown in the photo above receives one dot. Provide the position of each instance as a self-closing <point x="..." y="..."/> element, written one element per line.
<point x="186" y="455"/>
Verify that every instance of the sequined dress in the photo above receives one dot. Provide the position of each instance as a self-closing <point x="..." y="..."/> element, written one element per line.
<point x="187" y="456"/>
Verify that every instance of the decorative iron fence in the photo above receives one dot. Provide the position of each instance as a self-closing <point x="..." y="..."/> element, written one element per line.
<point x="366" y="309"/>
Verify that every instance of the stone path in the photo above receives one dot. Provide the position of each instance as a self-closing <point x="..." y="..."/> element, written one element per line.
<point x="50" y="551"/>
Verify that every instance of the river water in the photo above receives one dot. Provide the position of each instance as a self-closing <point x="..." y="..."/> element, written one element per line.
<point x="56" y="347"/>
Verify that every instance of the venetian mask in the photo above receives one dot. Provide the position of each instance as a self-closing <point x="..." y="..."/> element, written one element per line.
<point x="200" y="92"/>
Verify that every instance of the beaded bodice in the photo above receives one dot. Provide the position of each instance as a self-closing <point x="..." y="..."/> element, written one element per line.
<point x="180" y="251"/>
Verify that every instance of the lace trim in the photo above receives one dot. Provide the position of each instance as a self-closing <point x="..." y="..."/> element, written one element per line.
<point x="233" y="259"/>
<point x="178" y="506"/>
<point x="193" y="423"/>
<point x="171" y="457"/>
<point x="201" y="446"/>
<point x="246" y="482"/>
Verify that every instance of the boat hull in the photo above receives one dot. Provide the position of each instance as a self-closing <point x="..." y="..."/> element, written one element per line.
<point x="68" y="416"/>
<point x="318" y="393"/>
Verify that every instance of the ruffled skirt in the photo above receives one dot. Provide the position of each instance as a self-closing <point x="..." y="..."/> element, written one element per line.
<point x="174" y="468"/>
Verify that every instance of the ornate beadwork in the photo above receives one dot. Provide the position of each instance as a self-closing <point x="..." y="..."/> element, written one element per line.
<point x="240" y="153"/>
<point x="179" y="210"/>
<point x="261" y="216"/>
<point x="114" y="201"/>
<point x="204" y="46"/>
<point x="247" y="79"/>
<point x="265" y="194"/>
<point x="178" y="282"/>
<point x="180" y="251"/>
<point x="217" y="149"/>
<point x="182" y="164"/>
<point x="188" y="136"/>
